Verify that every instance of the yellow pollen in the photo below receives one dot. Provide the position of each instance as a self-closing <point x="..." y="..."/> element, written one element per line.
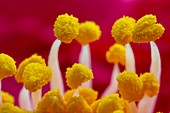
<point x="7" y="98"/>
<point x="66" y="28"/>
<point x="33" y="59"/>
<point x="78" y="74"/>
<point x="146" y="29"/>
<point x="116" y="54"/>
<point x="122" y="30"/>
<point x="130" y="86"/>
<point x="150" y="84"/>
<point x="95" y="105"/>
<point x="78" y="105"/>
<point x="110" y="103"/>
<point x="10" y="108"/>
<point x="87" y="93"/>
<point x="52" y="102"/>
<point x="89" y="31"/>
<point x="118" y="111"/>
<point x="36" y="75"/>
<point x="7" y="66"/>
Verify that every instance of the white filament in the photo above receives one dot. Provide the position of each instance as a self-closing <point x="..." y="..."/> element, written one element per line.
<point x="57" y="80"/>
<point x="36" y="97"/>
<point x="130" y="67"/>
<point x="76" y="93"/>
<point x="85" y="59"/>
<point x="147" y="104"/>
<point x="112" y="88"/>
<point x="132" y="108"/>
<point x="130" y="59"/>
<point x="24" y="99"/>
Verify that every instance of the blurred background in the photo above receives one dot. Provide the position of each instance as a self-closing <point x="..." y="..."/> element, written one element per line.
<point x="26" y="27"/>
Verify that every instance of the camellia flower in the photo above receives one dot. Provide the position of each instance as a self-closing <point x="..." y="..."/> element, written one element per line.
<point x="34" y="73"/>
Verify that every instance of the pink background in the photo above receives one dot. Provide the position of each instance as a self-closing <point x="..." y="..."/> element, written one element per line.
<point x="26" y="27"/>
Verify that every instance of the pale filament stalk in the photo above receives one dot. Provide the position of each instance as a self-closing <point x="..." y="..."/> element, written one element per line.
<point x="130" y="67"/>
<point x="85" y="59"/>
<point x="148" y="103"/>
<point x="24" y="99"/>
<point x="130" y="59"/>
<point x="36" y="97"/>
<point x="76" y="93"/>
<point x="131" y="108"/>
<point x="53" y="63"/>
<point x="112" y="88"/>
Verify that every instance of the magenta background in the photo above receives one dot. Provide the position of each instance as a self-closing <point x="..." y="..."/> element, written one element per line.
<point x="26" y="27"/>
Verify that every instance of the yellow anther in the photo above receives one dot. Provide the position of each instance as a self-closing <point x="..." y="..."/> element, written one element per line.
<point x="10" y="108"/>
<point x="78" y="105"/>
<point x="95" y="105"/>
<point x="116" y="54"/>
<point x="78" y="74"/>
<point x="33" y="59"/>
<point x="66" y="28"/>
<point x="130" y="86"/>
<point x="7" y="66"/>
<point x="110" y="103"/>
<point x="87" y="93"/>
<point x="118" y="111"/>
<point x="146" y="29"/>
<point x="7" y="98"/>
<point x="150" y="84"/>
<point x="52" y="102"/>
<point x="122" y="30"/>
<point x="36" y="75"/>
<point x="89" y="32"/>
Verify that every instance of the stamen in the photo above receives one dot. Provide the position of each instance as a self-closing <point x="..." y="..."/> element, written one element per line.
<point x="24" y="99"/>
<point x="131" y="108"/>
<point x="85" y="59"/>
<point x="112" y="88"/>
<point x="148" y="103"/>
<point x="66" y="27"/>
<point x="35" y="76"/>
<point x="89" y="32"/>
<point x="76" y="93"/>
<point x="87" y="93"/>
<point x="155" y="67"/>
<point x="52" y="102"/>
<point x="122" y="30"/>
<point x="115" y="54"/>
<point x="7" y="69"/>
<point x="78" y="74"/>
<point x="110" y="103"/>
<point x="78" y="105"/>
<point x="36" y="97"/>
<point x="130" y="60"/>
<point x="53" y="63"/>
